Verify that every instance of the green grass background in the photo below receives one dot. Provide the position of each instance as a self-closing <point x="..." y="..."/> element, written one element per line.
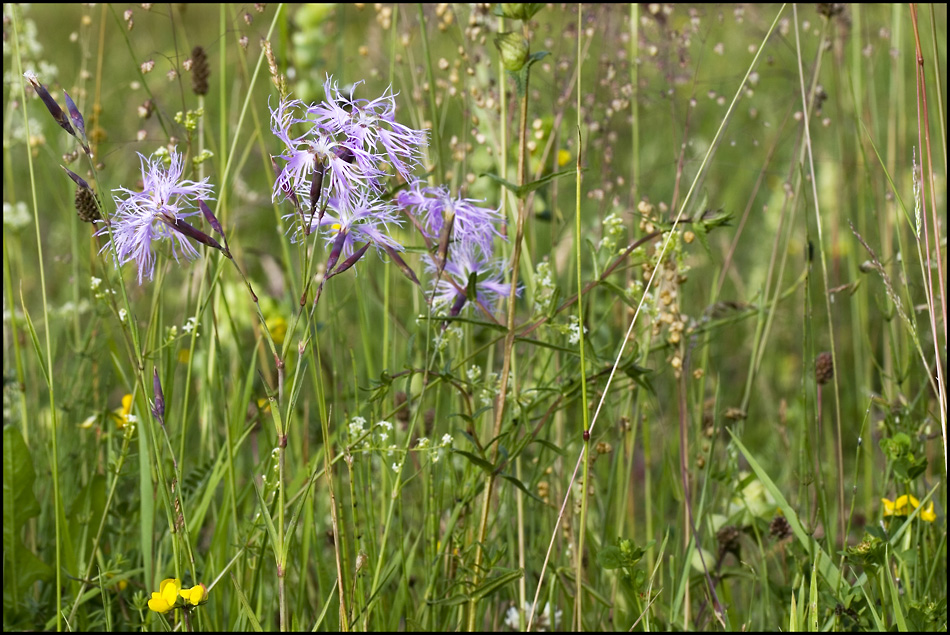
<point x="724" y="420"/>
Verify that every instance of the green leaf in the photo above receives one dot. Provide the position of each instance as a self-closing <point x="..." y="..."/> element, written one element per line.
<point x="246" y="606"/>
<point x="268" y="522"/>
<point x="521" y="486"/>
<point x="895" y="597"/>
<point x="522" y="191"/>
<point x="477" y="460"/>
<point x="825" y="566"/>
<point x="609" y="558"/>
<point x="492" y="585"/>
<point x="455" y="600"/>
<point x="813" y="599"/>
<point x="21" y="567"/>
<point x="551" y="446"/>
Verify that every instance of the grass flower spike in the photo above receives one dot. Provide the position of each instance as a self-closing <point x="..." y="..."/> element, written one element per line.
<point x="165" y="598"/>
<point x="156" y="213"/>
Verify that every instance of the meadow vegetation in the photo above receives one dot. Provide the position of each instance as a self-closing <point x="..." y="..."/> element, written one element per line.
<point x="474" y="317"/>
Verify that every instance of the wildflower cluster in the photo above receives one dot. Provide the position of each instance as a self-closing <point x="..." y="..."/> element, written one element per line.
<point x="340" y="165"/>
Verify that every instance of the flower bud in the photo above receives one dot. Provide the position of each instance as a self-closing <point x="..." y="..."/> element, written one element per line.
<point x="513" y="49"/>
<point x="518" y="10"/>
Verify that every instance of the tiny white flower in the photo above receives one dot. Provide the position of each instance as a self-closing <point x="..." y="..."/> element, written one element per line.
<point x="94" y="283"/>
<point x="423" y="443"/>
<point x="446" y="439"/>
<point x="385" y="424"/>
<point x="122" y="314"/>
<point x="130" y="418"/>
<point x="382" y="437"/>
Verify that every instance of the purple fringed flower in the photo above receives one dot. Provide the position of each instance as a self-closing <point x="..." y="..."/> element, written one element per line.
<point x="345" y="146"/>
<point x="152" y="214"/>
<point x="346" y="169"/>
<point x="435" y="206"/>
<point x="464" y="259"/>
<point x="363" y="220"/>
<point x="368" y="124"/>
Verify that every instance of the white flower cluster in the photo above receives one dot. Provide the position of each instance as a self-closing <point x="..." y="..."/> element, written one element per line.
<point x="575" y="330"/>
<point x="356" y="427"/>
<point x="613" y="231"/>
<point x="542" y="621"/>
<point x="446" y="337"/>
<point x="543" y="288"/>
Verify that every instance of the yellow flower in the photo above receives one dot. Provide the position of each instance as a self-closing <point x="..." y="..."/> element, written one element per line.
<point x="278" y="329"/>
<point x="121" y="415"/>
<point x="167" y="595"/>
<point x="888" y="507"/>
<point x="194" y="595"/>
<point x="563" y="156"/>
<point x="905" y="505"/>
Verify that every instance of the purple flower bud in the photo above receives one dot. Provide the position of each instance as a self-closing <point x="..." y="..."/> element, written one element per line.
<point x="78" y="180"/>
<point x="195" y="233"/>
<point x="51" y="105"/>
<point x="409" y="273"/>
<point x="75" y="115"/>
<point x="158" y="406"/>
<point x="210" y="217"/>
<point x="335" y="251"/>
<point x="349" y="262"/>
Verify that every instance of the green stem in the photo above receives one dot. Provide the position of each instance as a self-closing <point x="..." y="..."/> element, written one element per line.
<point x="509" y="345"/>
<point x="585" y="414"/>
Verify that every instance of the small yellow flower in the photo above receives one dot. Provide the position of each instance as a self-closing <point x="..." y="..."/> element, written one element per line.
<point x="563" y="156"/>
<point x="194" y="595"/>
<point x="121" y="415"/>
<point x="278" y="329"/>
<point x="167" y="595"/>
<point x="905" y="505"/>
<point x="888" y="507"/>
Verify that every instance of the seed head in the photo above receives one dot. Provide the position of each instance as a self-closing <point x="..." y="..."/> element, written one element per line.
<point x="86" y="206"/>
<point x="200" y="71"/>
<point x="779" y="528"/>
<point x="824" y="368"/>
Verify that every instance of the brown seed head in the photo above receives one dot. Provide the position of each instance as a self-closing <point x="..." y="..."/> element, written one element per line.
<point x="824" y="368"/>
<point x="779" y="528"/>
<point x="86" y="206"/>
<point x="200" y="71"/>
<point x="728" y="538"/>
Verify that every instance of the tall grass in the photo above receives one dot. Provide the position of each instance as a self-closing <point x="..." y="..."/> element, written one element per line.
<point x="713" y="397"/>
